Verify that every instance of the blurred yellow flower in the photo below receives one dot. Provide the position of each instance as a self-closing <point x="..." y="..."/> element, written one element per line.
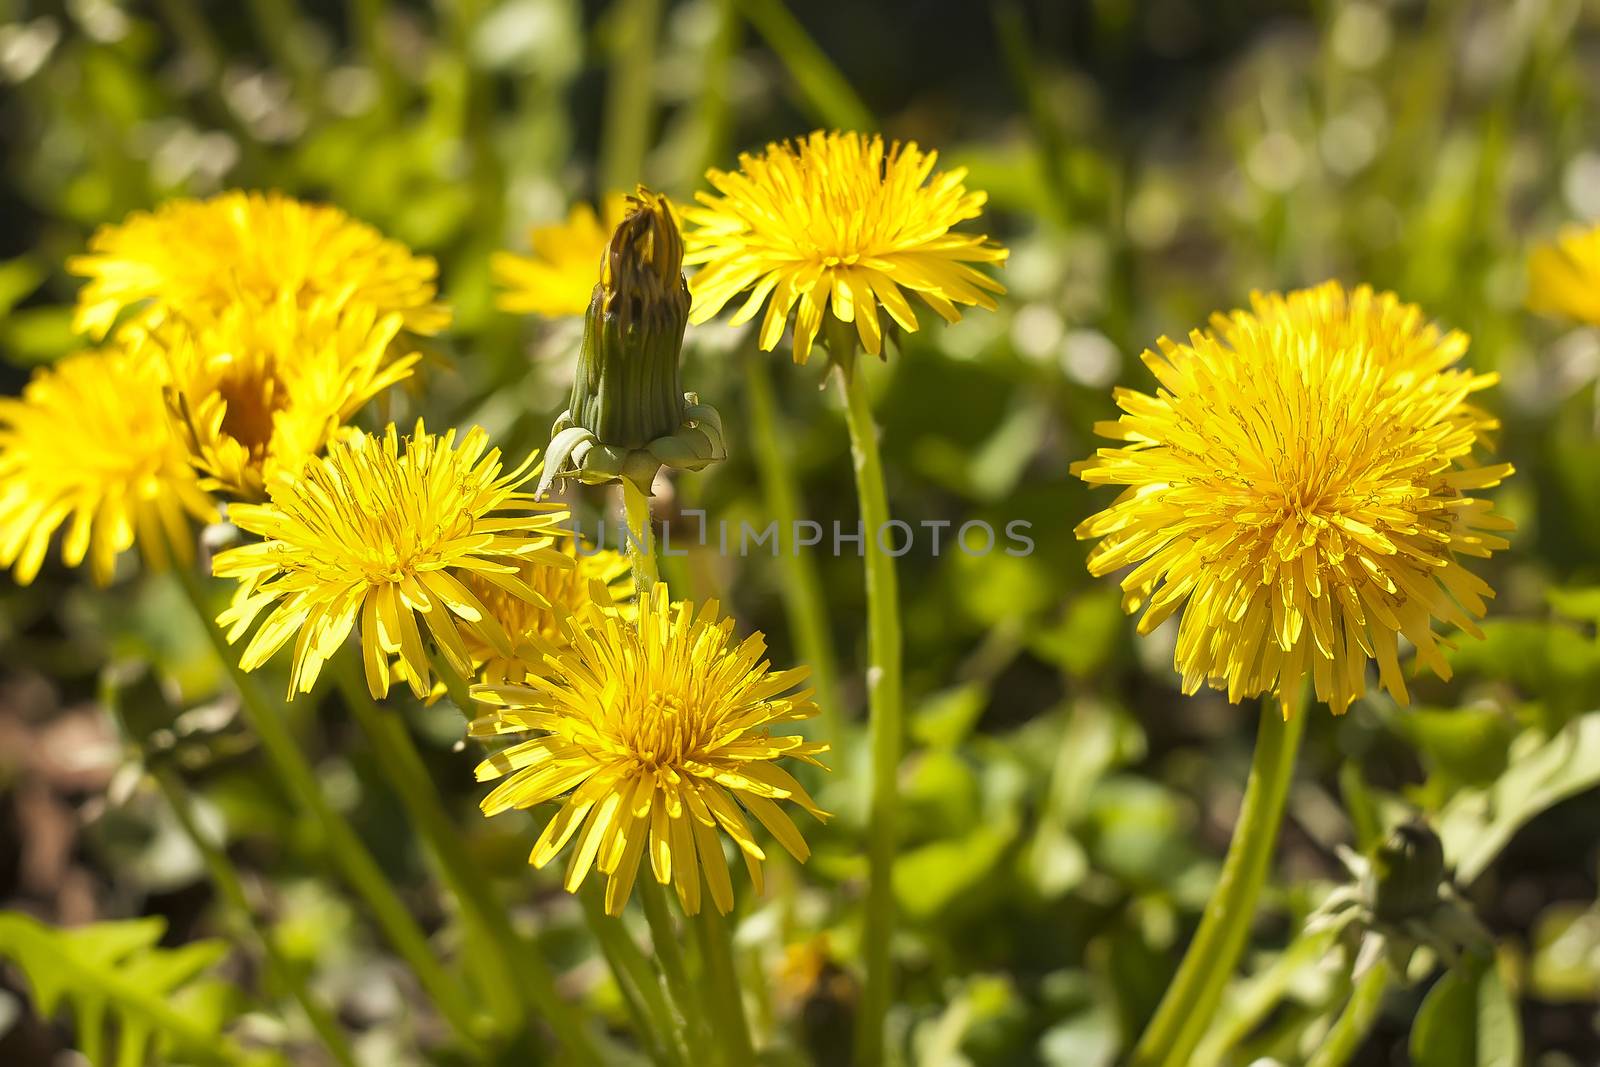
<point x="1299" y="488"/>
<point x="194" y="259"/>
<point x="658" y="732"/>
<point x="88" y="444"/>
<point x="559" y="277"/>
<point x="540" y="627"/>
<point x="836" y="222"/>
<point x="1564" y="275"/>
<point x="259" y="391"/>
<point x="384" y="534"/>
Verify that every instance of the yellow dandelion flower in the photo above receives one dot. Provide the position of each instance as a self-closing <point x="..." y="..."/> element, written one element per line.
<point x="657" y="733"/>
<point x="538" y="627"/>
<point x="259" y="392"/>
<point x="558" y="279"/>
<point x="89" y="441"/>
<point x="1564" y="275"/>
<point x="837" y="222"/>
<point x="1298" y="487"/>
<point x="193" y="259"/>
<point x="382" y="534"/>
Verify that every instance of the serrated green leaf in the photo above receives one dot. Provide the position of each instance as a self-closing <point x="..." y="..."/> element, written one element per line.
<point x="113" y="975"/>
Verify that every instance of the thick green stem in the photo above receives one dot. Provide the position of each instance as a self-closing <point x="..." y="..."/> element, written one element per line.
<point x="340" y="840"/>
<point x="726" y="1009"/>
<point x="885" y="714"/>
<point x="641" y="993"/>
<point x="640" y="539"/>
<point x="722" y="979"/>
<point x="803" y="600"/>
<point x="1351" y="1028"/>
<point x="635" y="25"/>
<point x="1249" y="1005"/>
<point x="504" y="955"/>
<point x="669" y="957"/>
<point x="1191" y="1000"/>
<point x="230" y="890"/>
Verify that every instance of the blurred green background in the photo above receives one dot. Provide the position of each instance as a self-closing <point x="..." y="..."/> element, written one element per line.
<point x="1147" y="163"/>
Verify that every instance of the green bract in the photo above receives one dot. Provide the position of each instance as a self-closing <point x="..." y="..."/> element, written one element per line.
<point x="629" y="415"/>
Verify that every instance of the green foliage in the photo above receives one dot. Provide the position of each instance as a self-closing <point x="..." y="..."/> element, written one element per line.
<point x="1063" y="804"/>
<point x="132" y="1002"/>
<point x="1476" y="824"/>
<point x="1468" y="1019"/>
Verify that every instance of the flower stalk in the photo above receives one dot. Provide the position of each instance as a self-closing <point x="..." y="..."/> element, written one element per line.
<point x="693" y="1031"/>
<point x="642" y="994"/>
<point x="722" y="977"/>
<point x="728" y="1024"/>
<point x="1351" y="1028"/>
<point x="886" y="717"/>
<point x="1191" y="1000"/>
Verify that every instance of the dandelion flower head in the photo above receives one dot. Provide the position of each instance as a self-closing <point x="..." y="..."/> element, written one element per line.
<point x="1299" y="487"/>
<point x="378" y="533"/>
<point x="260" y="391"/>
<point x="88" y="445"/>
<point x="557" y="279"/>
<point x="194" y="259"/>
<point x="1564" y="275"/>
<point x="658" y="736"/>
<point x="595" y="576"/>
<point x="837" y="222"/>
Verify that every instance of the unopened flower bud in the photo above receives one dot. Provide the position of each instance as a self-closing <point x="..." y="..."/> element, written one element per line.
<point x="629" y="415"/>
<point x="1407" y="871"/>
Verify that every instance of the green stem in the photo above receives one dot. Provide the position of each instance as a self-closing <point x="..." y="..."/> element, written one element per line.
<point x="342" y="843"/>
<point x="885" y="721"/>
<point x="506" y="957"/>
<point x="640" y="991"/>
<point x="1351" y="1028"/>
<point x="230" y="890"/>
<point x="726" y="1009"/>
<point x="803" y="600"/>
<point x="831" y="99"/>
<point x="1191" y="1000"/>
<point x="640" y="539"/>
<point x="1249" y="1004"/>
<point x="722" y="978"/>
<point x="669" y="956"/>
<point x="635" y="25"/>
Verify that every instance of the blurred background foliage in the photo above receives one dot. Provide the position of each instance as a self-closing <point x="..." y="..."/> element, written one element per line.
<point x="1067" y="806"/>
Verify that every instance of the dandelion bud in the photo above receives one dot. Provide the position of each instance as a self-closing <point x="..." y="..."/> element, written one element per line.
<point x="629" y="415"/>
<point x="1407" y="873"/>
